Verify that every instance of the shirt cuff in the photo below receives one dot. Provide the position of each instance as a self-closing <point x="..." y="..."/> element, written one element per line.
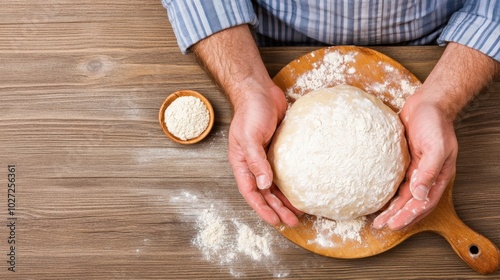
<point x="475" y="26"/>
<point x="194" y="20"/>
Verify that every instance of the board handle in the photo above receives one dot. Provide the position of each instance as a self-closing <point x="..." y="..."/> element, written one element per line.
<point x="473" y="248"/>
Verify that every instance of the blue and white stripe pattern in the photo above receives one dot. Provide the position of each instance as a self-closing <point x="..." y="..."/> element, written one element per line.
<point x="475" y="23"/>
<point x="193" y="20"/>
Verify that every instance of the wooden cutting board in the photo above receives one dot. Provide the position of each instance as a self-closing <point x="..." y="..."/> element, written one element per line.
<point x="392" y="83"/>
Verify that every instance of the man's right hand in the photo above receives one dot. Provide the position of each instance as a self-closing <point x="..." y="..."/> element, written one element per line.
<point x="252" y="127"/>
<point x="232" y="58"/>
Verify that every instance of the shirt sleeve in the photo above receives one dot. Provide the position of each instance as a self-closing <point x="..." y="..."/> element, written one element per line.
<point x="194" y="20"/>
<point x="476" y="25"/>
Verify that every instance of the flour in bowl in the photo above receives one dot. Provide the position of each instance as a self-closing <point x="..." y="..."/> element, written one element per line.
<point x="187" y="117"/>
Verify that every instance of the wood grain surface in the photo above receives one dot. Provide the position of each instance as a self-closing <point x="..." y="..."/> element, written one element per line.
<point x="102" y="193"/>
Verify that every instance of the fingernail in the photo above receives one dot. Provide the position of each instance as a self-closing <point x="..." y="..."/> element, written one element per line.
<point x="413" y="176"/>
<point x="381" y="220"/>
<point x="263" y="183"/>
<point x="420" y="192"/>
<point x="378" y="225"/>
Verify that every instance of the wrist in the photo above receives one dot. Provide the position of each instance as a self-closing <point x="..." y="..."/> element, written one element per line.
<point x="254" y="87"/>
<point x="440" y="97"/>
<point x="460" y="74"/>
<point x="424" y="100"/>
<point x="233" y="60"/>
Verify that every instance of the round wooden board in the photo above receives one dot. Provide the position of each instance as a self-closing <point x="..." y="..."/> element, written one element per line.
<point x="377" y="74"/>
<point x="364" y="68"/>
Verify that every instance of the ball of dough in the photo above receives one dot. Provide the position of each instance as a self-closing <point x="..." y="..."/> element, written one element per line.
<point x="340" y="153"/>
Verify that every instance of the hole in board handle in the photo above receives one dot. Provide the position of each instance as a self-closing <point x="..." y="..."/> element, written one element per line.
<point x="474" y="250"/>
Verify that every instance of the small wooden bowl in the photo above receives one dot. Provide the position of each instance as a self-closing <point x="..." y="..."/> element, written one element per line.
<point x="169" y="100"/>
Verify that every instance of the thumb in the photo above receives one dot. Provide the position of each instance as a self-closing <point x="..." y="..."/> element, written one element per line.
<point x="423" y="178"/>
<point x="256" y="159"/>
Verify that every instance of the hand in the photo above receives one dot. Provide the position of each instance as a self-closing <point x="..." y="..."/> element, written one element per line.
<point x="255" y="120"/>
<point x="460" y="74"/>
<point x="433" y="148"/>
<point x="232" y="58"/>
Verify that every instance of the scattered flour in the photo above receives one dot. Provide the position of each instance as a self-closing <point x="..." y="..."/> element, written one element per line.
<point x="389" y="68"/>
<point x="187" y="117"/>
<point x="185" y="197"/>
<point x="327" y="231"/>
<point x="331" y="70"/>
<point x="339" y="68"/>
<point x="397" y="91"/>
<point x="396" y="87"/>
<point x="229" y="242"/>
<point x="251" y="244"/>
<point x="218" y="241"/>
<point x="212" y="236"/>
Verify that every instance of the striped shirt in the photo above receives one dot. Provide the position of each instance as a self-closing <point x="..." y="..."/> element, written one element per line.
<point x="474" y="23"/>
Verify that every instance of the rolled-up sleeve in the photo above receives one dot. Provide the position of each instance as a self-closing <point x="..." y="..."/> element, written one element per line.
<point x="476" y="25"/>
<point x="194" y="20"/>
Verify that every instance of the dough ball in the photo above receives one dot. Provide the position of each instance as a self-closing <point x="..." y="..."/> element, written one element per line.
<point x="340" y="153"/>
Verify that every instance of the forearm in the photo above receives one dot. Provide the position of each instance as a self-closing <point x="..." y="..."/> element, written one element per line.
<point x="460" y="74"/>
<point x="233" y="60"/>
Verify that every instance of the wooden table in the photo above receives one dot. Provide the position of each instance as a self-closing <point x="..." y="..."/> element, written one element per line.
<point x="102" y="193"/>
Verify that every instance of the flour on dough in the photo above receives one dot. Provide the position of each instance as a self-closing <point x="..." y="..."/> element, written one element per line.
<point x="340" y="153"/>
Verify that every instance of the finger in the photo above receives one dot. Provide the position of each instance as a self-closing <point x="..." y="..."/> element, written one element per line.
<point x="247" y="188"/>
<point x="256" y="158"/>
<point x="424" y="177"/>
<point x="285" y="201"/>
<point x="284" y="213"/>
<point x="415" y="210"/>
<point x="408" y="214"/>
<point x="396" y="204"/>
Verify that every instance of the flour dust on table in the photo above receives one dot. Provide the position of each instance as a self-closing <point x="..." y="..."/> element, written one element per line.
<point x="229" y="241"/>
